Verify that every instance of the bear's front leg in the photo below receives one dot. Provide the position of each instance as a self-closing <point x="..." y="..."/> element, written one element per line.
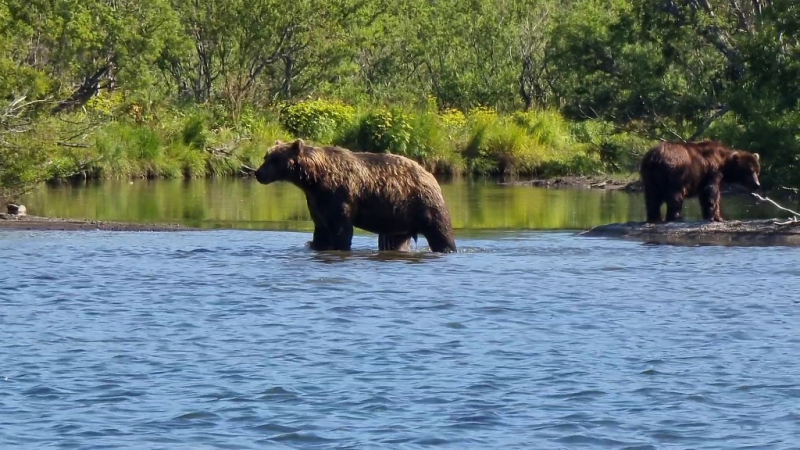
<point x="653" y="206"/>
<point x="342" y="236"/>
<point x="340" y="228"/>
<point x="322" y="235"/>
<point x="709" y="197"/>
<point x="322" y="239"/>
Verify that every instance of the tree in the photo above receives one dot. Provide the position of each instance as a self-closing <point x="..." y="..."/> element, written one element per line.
<point x="82" y="47"/>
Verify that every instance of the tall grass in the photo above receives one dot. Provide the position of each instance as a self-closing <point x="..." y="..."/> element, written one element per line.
<point x="201" y="142"/>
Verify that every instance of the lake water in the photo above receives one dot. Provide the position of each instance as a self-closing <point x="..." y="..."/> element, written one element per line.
<point x="475" y="206"/>
<point x="524" y="339"/>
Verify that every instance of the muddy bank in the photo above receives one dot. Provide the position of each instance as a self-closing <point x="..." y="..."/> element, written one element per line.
<point x="15" y="222"/>
<point x="733" y="232"/>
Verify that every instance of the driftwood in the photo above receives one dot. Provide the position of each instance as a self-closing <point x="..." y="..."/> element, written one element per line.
<point x="795" y="215"/>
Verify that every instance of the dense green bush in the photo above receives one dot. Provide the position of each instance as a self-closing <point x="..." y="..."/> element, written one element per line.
<point x="384" y="131"/>
<point x="317" y="120"/>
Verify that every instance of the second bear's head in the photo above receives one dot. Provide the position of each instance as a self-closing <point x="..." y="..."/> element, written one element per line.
<point x="281" y="162"/>
<point x="744" y="168"/>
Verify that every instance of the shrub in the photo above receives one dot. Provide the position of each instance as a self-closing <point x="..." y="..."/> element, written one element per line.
<point x="498" y="146"/>
<point x="616" y="151"/>
<point x="194" y="132"/>
<point x="317" y="120"/>
<point x="384" y="131"/>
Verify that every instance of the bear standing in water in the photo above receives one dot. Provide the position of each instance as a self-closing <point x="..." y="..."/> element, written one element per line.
<point x="390" y="195"/>
<point x="672" y="172"/>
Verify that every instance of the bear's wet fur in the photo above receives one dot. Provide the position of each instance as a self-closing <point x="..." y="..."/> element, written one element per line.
<point x="389" y="195"/>
<point x="672" y="172"/>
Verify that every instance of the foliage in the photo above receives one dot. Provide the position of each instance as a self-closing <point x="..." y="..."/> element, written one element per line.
<point x="384" y="131"/>
<point x="317" y="120"/>
<point x="186" y="88"/>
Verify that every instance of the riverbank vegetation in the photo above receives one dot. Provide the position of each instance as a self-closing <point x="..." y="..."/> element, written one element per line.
<point x="174" y="88"/>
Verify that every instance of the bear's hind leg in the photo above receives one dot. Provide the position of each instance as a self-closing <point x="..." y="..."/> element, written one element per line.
<point x="437" y="230"/>
<point x="440" y="241"/>
<point x="395" y="242"/>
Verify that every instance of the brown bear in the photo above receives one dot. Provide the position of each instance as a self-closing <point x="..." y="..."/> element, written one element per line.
<point x="386" y="194"/>
<point x="672" y="172"/>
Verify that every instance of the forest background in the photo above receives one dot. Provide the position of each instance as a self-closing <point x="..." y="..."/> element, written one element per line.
<point x="195" y="88"/>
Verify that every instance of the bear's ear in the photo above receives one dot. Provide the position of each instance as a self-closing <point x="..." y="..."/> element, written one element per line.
<point x="278" y="142"/>
<point x="298" y="146"/>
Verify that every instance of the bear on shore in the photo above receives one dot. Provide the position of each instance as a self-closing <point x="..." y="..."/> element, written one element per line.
<point x="672" y="172"/>
<point x="389" y="195"/>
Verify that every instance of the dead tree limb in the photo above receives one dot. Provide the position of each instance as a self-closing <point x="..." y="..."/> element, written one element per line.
<point x="795" y="215"/>
<point x="87" y="90"/>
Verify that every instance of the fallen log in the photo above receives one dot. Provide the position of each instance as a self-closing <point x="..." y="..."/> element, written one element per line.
<point x="732" y="232"/>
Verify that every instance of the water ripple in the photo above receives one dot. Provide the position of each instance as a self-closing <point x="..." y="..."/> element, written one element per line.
<point x="531" y="340"/>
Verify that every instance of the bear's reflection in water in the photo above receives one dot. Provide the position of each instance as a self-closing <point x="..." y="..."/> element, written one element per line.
<point x="418" y="256"/>
<point x="411" y="257"/>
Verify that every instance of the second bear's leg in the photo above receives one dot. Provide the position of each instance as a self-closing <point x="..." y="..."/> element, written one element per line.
<point x="653" y="205"/>
<point x="674" y="207"/>
<point x="653" y="198"/>
<point x="709" y="202"/>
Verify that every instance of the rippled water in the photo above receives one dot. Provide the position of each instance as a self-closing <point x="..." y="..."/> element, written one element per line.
<point x="244" y="339"/>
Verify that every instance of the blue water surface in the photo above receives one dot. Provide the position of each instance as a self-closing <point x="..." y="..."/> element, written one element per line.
<point x="244" y="339"/>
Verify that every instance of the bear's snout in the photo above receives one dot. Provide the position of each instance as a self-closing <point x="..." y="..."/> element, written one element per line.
<point x="264" y="175"/>
<point x="755" y="185"/>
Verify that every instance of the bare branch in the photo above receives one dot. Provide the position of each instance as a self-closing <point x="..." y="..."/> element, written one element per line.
<point x="795" y="215"/>
<point x="71" y="145"/>
<point x="88" y="88"/>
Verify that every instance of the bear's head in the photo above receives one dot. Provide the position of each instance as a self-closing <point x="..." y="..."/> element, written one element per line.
<point x="743" y="168"/>
<point x="281" y="162"/>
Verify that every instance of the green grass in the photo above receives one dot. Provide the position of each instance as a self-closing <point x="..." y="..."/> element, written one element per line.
<point x="196" y="142"/>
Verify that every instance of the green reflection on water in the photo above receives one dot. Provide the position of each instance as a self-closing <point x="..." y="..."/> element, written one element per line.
<point x="243" y="203"/>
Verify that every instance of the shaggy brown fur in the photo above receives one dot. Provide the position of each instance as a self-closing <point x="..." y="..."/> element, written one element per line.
<point x="672" y="172"/>
<point x="390" y="195"/>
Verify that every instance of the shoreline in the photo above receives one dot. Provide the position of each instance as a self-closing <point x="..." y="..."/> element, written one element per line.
<point x="609" y="183"/>
<point x="601" y="182"/>
<point x="39" y="223"/>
